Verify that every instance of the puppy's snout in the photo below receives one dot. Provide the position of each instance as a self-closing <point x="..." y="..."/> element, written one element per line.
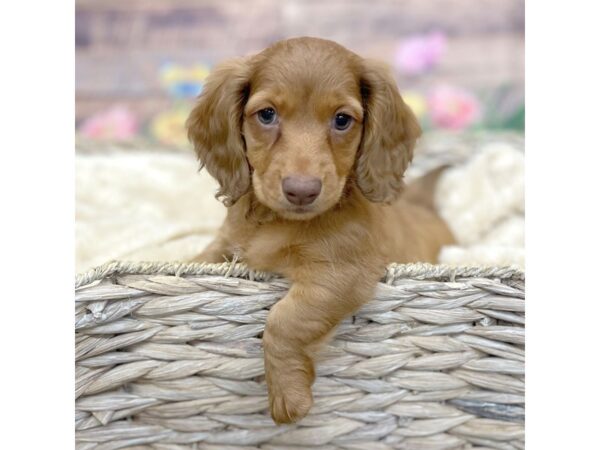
<point x="301" y="190"/>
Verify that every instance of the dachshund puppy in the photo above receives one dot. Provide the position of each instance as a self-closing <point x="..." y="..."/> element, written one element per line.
<point x="309" y="143"/>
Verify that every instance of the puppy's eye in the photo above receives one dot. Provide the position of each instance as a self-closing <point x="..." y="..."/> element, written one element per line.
<point x="267" y="116"/>
<point x="342" y="121"/>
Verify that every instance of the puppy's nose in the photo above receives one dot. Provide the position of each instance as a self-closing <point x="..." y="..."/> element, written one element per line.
<point x="301" y="190"/>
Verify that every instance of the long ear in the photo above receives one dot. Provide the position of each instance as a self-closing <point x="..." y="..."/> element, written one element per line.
<point x="215" y="128"/>
<point x="389" y="134"/>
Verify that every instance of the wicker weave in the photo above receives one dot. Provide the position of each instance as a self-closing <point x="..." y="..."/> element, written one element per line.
<point x="168" y="356"/>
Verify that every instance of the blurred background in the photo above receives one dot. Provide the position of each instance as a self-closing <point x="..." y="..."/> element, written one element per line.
<point x="140" y="63"/>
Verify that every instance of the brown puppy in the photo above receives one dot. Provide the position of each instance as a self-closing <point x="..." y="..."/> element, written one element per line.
<point x="309" y="143"/>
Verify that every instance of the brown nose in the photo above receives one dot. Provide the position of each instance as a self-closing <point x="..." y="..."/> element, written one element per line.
<point x="301" y="190"/>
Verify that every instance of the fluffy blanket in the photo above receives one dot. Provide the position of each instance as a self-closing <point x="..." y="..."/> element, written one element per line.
<point x="153" y="205"/>
<point x="483" y="202"/>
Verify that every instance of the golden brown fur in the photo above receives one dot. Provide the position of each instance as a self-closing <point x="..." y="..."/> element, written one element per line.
<point x="335" y="249"/>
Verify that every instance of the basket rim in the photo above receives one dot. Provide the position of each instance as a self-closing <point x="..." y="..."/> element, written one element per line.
<point x="394" y="271"/>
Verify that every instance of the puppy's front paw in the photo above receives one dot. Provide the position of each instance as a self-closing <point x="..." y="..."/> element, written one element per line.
<point x="289" y="370"/>
<point x="289" y="400"/>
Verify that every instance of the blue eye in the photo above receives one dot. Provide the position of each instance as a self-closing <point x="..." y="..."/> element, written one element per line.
<point x="342" y="121"/>
<point x="267" y="116"/>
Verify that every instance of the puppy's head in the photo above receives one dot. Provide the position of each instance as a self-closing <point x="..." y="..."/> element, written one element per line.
<point x="296" y="122"/>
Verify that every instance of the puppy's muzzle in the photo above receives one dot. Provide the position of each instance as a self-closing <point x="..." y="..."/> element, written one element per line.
<point x="300" y="190"/>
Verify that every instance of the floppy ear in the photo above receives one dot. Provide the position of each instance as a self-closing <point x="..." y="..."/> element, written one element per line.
<point x="390" y="130"/>
<point x="215" y="128"/>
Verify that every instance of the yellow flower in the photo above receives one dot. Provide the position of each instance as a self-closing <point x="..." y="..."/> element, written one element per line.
<point x="173" y="73"/>
<point x="168" y="127"/>
<point x="416" y="102"/>
<point x="184" y="81"/>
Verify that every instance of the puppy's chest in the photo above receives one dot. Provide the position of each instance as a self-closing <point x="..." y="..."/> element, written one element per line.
<point x="271" y="248"/>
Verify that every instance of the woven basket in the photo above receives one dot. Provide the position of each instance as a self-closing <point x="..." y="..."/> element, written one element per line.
<point x="169" y="356"/>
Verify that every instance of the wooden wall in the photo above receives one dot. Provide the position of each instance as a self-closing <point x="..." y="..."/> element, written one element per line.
<point x="120" y="44"/>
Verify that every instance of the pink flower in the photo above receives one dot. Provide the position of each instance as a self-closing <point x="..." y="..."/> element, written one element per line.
<point x="420" y="53"/>
<point x="453" y="107"/>
<point x="117" y="123"/>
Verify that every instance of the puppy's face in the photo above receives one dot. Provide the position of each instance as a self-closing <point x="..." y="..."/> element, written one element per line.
<point x="297" y="121"/>
<point x="302" y="125"/>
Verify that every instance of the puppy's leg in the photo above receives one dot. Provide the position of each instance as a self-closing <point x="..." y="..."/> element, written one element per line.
<point x="315" y="304"/>
<point x="217" y="251"/>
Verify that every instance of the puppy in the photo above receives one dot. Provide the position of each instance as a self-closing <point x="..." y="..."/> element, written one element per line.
<point x="309" y="143"/>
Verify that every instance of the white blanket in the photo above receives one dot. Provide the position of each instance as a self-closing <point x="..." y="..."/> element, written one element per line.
<point x="483" y="202"/>
<point x="149" y="205"/>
